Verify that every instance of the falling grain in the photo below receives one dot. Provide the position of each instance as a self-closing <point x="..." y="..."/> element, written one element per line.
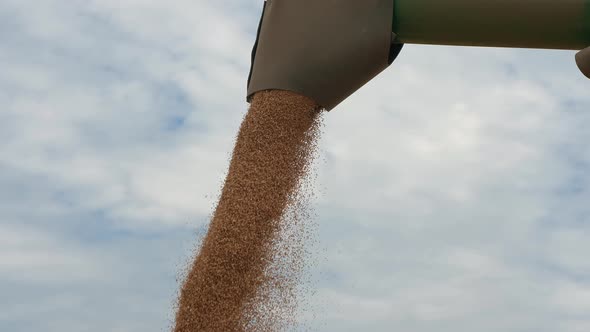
<point x="246" y="274"/>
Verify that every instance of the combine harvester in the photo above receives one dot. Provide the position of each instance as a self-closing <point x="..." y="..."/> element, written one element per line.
<point x="328" y="49"/>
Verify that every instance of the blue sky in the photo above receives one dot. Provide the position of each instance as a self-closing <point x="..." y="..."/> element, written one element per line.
<point x="452" y="190"/>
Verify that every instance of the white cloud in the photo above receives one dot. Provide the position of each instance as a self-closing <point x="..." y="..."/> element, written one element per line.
<point x="31" y="255"/>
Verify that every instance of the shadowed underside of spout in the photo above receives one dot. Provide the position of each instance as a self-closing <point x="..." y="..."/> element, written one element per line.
<point x="583" y="61"/>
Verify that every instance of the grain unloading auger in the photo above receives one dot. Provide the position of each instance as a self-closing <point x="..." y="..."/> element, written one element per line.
<point x="328" y="49"/>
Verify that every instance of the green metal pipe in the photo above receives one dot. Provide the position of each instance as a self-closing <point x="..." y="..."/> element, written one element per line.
<point x="550" y="24"/>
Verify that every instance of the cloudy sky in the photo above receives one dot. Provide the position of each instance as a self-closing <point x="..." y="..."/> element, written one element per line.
<point x="454" y="187"/>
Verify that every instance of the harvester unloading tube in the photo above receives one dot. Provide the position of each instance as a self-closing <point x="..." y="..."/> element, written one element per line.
<point x="327" y="49"/>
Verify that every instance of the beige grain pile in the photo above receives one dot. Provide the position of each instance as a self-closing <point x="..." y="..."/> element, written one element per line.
<point x="246" y="275"/>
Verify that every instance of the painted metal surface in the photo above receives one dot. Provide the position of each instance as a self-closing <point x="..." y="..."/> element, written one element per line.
<point x="551" y="24"/>
<point x="325" y="50"/>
